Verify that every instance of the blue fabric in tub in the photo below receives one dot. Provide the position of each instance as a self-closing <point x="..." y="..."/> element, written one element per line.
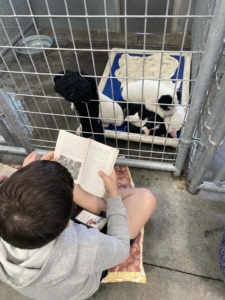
<point x="115" y="84"/>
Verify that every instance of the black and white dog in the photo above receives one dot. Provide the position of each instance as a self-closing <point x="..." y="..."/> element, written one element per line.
<point x="150" y="93"/>
<point x="143" y="121"/>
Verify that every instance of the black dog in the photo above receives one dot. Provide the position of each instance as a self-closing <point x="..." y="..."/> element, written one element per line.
<point x="81" y="90"/>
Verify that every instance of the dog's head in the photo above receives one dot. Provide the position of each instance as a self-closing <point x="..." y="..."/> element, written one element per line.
<point x="73" y="87"/>
<point x="167" y="102"/>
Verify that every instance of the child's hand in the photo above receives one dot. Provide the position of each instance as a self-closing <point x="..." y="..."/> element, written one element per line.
<point x="50" y="156"/>
<point x="110" y="183"/>
<point x="2" y="179"/>
<point x="33" y="156"/>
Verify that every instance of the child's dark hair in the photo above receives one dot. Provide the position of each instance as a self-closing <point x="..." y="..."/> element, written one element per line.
<point x="35" y="204"/>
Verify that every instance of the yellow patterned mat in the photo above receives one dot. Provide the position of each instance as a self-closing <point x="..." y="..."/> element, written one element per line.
<point x="132" y="268"/>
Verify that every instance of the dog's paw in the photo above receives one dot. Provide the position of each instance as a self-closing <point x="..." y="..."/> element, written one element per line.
<point x="79" y="130"/>
<point x="145" y="130"/>
<point x="173" y="134"/>
<point x="72" y="107"/>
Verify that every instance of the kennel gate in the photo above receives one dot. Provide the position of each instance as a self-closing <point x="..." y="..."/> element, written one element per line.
<point x="87" y="37"/>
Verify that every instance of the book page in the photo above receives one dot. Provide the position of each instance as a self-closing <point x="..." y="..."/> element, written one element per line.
<point x="99" y="158"/>
<point x="72" y="150"/>
<point x="7" y="171"/>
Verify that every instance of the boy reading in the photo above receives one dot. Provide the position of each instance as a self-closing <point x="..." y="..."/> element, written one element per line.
<point x="46" y="256"/>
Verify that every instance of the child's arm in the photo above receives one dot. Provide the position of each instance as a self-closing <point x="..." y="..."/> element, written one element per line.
<point x="33" y="156"/>
<point x="114" y="247"/>
<point x="110" y="183"/>
<point x="2" y="179"/>
<point x="98" y="251"/>
<point x="50" y="156"/>
<point x="107" y="250"/>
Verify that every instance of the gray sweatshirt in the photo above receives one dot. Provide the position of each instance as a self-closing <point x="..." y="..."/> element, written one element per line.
<point x="69" y="267"/>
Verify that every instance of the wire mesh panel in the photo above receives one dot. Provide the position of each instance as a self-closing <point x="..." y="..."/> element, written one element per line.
<point x="200" y="30"/>
<point x="87" y="37"/>
<point x="214" y="86"/>
<point x="10" y="26"/>
<point x="207" y="154"/>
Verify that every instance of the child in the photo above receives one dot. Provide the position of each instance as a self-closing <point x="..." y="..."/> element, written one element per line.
<point x="43" y="254"/>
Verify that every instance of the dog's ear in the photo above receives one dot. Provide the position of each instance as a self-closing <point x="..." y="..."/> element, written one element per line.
<point x="93" y="86"/>
<point x="72" y="87"/>
<point x="165" y="101"/>
<point x="92" y="83"/>
<point x="57" y="78"/>
<point x="179" y="95"/>
<point x="122" y="104"/>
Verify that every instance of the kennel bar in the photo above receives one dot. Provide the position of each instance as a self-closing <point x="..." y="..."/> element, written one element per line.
<point x="6" y="136"/>
<point x="219" y="179"/>
<point x="111" y="16"/>
<point x="10" y="22"/>
<point x="120" y="161"/>
<point x="47" y="112"/>
<point x="208" y="63"/>
<point x="209" y="125"/>
<point x="214" y="141"/>
<point x="14" y="122"/>
<point x="185" y="88"/>
<point x="210" y="186"/>
<point x="200" y="30"/>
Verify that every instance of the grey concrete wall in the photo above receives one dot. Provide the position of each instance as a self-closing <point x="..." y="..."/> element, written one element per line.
<point x="75" y="7"/>
<point x="154" y="25"/>
<point x="96" y="7"/>
<point x="183" y="11"/>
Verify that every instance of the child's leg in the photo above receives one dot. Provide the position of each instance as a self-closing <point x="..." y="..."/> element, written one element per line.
<point x="140" y="203"/>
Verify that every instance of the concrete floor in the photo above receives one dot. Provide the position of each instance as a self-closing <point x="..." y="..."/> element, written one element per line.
<point x="181" y="239"/>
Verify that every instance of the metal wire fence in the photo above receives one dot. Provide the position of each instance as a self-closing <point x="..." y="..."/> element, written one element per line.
<point x="28" y="83"/>
<point x="10" y="27"/>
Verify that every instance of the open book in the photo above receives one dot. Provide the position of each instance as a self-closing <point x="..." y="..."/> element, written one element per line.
<point x="84" y="158"/>
<point x="5" y="170"/>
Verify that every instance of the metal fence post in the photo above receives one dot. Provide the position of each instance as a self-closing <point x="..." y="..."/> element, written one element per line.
<point x="209" y="60"/>
<point x="4" y="131"/>
<point x="12" y="118"/>
<point x="219" y="179"/>
<point x="212" y="145"/>
<point x="209" y="126"/>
